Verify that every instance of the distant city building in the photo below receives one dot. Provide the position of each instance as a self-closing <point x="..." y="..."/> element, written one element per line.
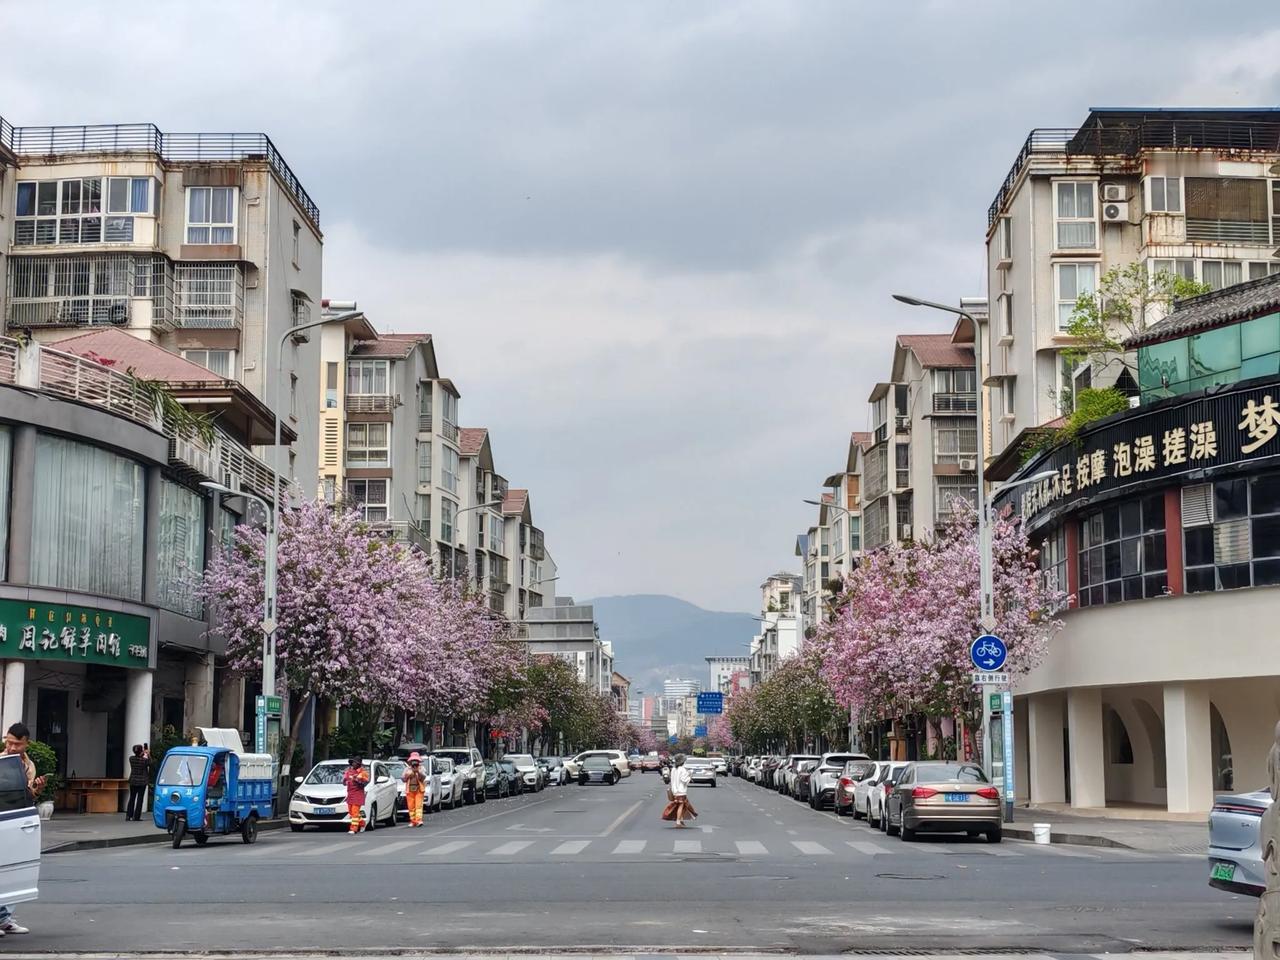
<point x="681" y="687"/>
<point x="568" y="630"/>
<point x="722" y="670"/>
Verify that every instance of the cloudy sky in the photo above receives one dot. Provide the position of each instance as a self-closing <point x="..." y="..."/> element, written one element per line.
<point x="655" y="241"/>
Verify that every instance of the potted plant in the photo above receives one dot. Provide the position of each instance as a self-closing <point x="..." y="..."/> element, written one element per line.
<point x="46" y="761"/>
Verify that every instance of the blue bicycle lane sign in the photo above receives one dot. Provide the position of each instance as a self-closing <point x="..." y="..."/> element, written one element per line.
<point x="988" y="653"/>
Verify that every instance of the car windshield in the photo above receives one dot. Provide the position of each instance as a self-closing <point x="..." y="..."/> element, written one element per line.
<point x="597" y="763"/>
<point x="457" y="756"/>
<point x="521" y="759"/>
<point x="946" y="772"/>
<point x="396" y="767"/>
<point x="859" y="769"/>
<point x="327" y="773"/>
<point x="182" y="770"/>
<point x="444" y="764"/>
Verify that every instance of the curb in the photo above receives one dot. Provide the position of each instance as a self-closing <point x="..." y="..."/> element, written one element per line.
<point x="69" y="846"/>
<point x="1078" y="839"/>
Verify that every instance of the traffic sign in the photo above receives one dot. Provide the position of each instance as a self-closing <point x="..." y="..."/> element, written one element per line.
<point x="699" y="731"/>
<point x="673" y="739"/>
<point x="983" y="678"/>
<point x="988" y="652"/>
<point x="995" y="703"/>
<point x="711" y="702"/>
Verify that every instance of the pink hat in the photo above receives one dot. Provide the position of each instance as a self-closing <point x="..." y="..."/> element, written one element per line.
<point x="414" y="756"/>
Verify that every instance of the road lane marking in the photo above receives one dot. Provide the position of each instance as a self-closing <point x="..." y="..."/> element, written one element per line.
<point x="622" y="816"/>
<point x="507" y="849"/>
<point x="932" y="848"/>
<point x="453" y="846"/>
<point x="570" y="848"/>
<point x="749" y="847"/>
<point x="630" y="846"/>
<point x="863" y="846"/>
<point x="811" y="848"/>
<point x="327" y="848"/>
<point x="688" y="846"/>
<point x="398" y="845"/>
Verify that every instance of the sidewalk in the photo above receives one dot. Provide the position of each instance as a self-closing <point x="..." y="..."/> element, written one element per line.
<point x="1151" y="832"/>
<point x="88" y="831"/>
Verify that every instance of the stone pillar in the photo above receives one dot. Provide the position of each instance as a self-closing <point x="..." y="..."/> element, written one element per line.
<point x="1022" y="779"/>
<point x="151" y="537"/>
<point x="12" y="706"/>
<point x="1188" y="748"/>
<point x="22" y="491"/>
<point x="198" y="691"/>
<point x="137" y="712"/>
<point x="231" y="702"/>
<point x="1088" y="762"/>
<point x="1046" y="778"/>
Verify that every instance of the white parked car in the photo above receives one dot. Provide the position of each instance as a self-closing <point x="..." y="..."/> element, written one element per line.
<point x="701" y="770"/>
<point x="822" y="782"/>
<point x="785" y="779"/>
<point x="469" y="765"/>
<point x="532" y="777"/>
<point x="19" y="835"/>
<point x="321" y="797"/>
<point x="862" y="789"/>
<point x="452" y="784"/>
<point x="431" y="799"/>
<point x="616" y="757"/>
<point x="875" y="798"/>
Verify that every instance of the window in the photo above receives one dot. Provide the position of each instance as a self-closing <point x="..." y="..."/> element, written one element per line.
<point x="497" y="534"/>
<point x="449" y="470"/>
<point x="448" y="512"/>
<point x="1164" y="194"/>
<point x="367" y="377"/>
<point x="211" y="214"/>
<point x="1004" y="239"/>
<point x="855" y="534"/>
<point x="1074" y="280"/>
<point x="293" y="396"/>
<point x="947" y="489"/>
<point x="1005" y="306"/>
<point x="1221" y="273"/>
<point x="877" y="517"/>
<point x="424" y="461"/>
<point x="879" y="418"/>
<point x="1075" y="216"/>
<point x="1231" y="535"/>
<point x="221" y="362"/>
<point x="297" y="237"/>
<point x="954" y="439"/>
<point x="1262" y="268"/>
<point x="370" y="498"/>
<point x="424" y="513"/>
<point x="368" y="445"/>
<point x="450" y="404"/>
<point x="87" y="519"/>
<point x="70" y="211"/>
<point x="1227" y="210"/>
<point x="1053" y="559"/>
<point x="902" y="465"/>
<point x="180" y="559"/>
<point x="837" y="537"/>
<point x="1186" y="269"/>
<point x="1006" y="397"/>
<point x="208" y="294"/>
<point x="1122" y="552"/>
<point x="299" y="309"/>
<point x="824" y="542"/>
<point x="6" y="447"/>
<point x="331" y="385"/>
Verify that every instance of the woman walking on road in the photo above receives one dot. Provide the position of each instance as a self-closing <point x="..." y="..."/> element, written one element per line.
<point x="679" y="809"/>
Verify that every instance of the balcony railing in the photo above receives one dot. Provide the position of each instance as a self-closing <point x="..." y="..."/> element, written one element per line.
<point x="424" y="423"/>
<point x="902" y="424"/>
<point x="147" y="138"/>
<point x="402" y="531"/>
<point x="371" y="402"/>
<point x="1229" y="231"/>
<point x="955" y="403"/>
<point x="208" y="295"/>
<point x="449" y="430"/>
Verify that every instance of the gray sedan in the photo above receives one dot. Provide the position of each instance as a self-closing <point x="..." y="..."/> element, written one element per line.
<point x="940" y="797"/>
<point x="1235" y="843"/>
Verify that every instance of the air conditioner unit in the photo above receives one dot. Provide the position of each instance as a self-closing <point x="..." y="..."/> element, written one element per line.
<point x="1113" y="193"/>
<point x="968" y="466"/>
<point x="1115" y="211"/>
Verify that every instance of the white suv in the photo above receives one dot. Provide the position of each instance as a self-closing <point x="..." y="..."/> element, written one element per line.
<point x="469" y="766"/>
<point x="616" y="757"/>
<point x="19" y="835"/>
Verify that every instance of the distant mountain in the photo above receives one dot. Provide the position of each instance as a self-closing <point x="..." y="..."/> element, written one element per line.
<point x="656" y="637"/>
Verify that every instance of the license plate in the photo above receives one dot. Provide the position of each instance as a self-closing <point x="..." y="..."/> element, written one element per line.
<point x="324" y="811"/>
<point x="957" y="798"/>
<point x="1223" y="871"/>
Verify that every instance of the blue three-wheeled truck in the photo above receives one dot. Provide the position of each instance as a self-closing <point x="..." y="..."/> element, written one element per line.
<point x="213" y="789"/>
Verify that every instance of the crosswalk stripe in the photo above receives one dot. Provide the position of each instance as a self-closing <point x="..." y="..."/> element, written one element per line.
<point x="688" y="846"/>
<point x="932" y="848"/>
<point x="630" y="846"/>
<point x="863" y="846"/>
<point x="452" y="846"/>
<point x="506" y="849"/>
<point x="571" y="847"/>
<point x="398" y="845"/>
<point x="811" y="848"/>
<point x="748" y="847"/>
<point x="327" y="848"/>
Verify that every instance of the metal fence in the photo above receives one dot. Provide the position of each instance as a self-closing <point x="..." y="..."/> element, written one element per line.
<point x="208" y="295"/>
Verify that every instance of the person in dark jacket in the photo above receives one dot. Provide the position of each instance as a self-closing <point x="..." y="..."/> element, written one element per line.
<point x="139" y="778"/>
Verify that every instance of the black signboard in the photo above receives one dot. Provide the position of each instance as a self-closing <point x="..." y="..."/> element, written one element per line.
<point x="1220" y="427"/>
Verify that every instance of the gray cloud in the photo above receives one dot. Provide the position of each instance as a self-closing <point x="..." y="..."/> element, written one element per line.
<point x="655" y="241"/>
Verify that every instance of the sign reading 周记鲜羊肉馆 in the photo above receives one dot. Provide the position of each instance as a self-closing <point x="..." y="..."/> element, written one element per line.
<point x="55" y="632"/>
<point x="1164" y="441"/>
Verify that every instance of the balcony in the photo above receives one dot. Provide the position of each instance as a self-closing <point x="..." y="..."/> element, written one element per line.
<point x="537" y="549"/>
<point x="449" y="430"/>
<point x="372" y="402"/>
<point x="902" y="424"/>
<point x="208" y="296"/>
<point x="955" y="403"/>
<point x="498" y="603"/>
<point x="1255" y="232"/>
<point x="424" y="423"/>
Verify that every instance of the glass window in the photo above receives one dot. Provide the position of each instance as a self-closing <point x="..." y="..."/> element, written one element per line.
<point x="87" y="519"/>
<point x="855" y="533"/>
<point x="1165" y="194"/>
<point x="1122" y="552"/>
<point x="424" y="462"/>
<point x="1163" y="367"/>
<point x="1260" y="336"/>
<point x="211" y="215"/>
<point x="370" y="498"/>
<point x="449" y="470"/>
<point x="6" y="452"/>
<point x="180" y="561"/>
<point x="1221" y="273"/>
<point x="67" y="211"/>
<point x="221" y="362"/>
<point x="1076" y="220"/>
<point x="448" y="510"/>
<point x="1238" y="545"/>
<point x="1178" y="268"/>
<point x="367" y="377"/>
<point x="368" y="445"/>
<point x="1074" y="281"/>
<point x="1215" y="352"/>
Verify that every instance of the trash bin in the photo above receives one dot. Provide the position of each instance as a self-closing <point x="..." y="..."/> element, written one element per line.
<point x="1040" y="831"/>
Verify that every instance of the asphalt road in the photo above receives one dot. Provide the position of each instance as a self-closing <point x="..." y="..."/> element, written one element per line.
<point x="595" y="867"/>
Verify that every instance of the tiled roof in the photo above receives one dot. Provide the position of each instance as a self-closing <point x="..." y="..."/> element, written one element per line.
<point x="516" y="501"/>
<point x="471" y="439"/>
<point x="863" y="439"/>
<point x="937" y="350"/>
<point x="1219" y="308"/>
<point x="394" y="345"/>
<point x="120" y="351"/>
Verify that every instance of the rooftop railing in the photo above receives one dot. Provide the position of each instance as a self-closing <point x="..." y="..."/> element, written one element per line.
<point x="148" y="138"/>
<point x="1129" y="137"/>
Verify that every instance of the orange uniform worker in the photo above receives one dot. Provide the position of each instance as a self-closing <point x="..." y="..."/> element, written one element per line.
<point x="355" y="779"/>
<point x="415" y="788"/>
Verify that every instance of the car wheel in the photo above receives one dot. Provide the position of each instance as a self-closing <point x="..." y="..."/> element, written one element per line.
<point x="249" y="830"/>
<point x="200" y="838"/>
<point x="372" y="823"/>
<point x="907" y="833"/>
<point x="295" y="827"/>
<point x="713" y="784"/>
<point x="889" y="826"/>
<point x="391" y="820"/>
<point x="179" y="831"/>
<point x="995" y="834"/>
<point x="482" y="796"/>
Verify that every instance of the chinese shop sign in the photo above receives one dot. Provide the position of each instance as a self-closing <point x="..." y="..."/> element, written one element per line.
<point x="1226" y="428"/>
<point x="51" y="631"/>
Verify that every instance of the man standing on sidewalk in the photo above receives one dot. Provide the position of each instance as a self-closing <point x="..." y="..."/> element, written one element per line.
<point x="16" y="739"/>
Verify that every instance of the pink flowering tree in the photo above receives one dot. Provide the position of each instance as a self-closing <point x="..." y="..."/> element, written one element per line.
<point x="720" y="734"/>
<point x="899" y="640"/>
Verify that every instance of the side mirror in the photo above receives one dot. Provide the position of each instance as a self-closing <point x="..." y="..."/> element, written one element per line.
<point x="383" y="779"/>
<point x="297" y="779"/>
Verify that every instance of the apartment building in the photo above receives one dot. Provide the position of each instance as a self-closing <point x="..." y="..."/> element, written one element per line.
<point x="681" y="687"/>
<point x="1195" y="192"/>
<point x="569" y="631"/>
<point x="532" y="564"/>
<point x="782" y="625"/>
<point x="205" y="244"/>
<point x="722" y="670"/>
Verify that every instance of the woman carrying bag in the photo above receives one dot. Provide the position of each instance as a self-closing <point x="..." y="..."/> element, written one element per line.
<point x="678" y="807"/>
